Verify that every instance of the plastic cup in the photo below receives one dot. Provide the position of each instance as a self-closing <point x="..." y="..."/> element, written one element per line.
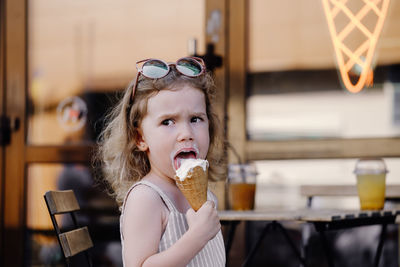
<point x="371" y="183"/>
<point x="241" y="186"/>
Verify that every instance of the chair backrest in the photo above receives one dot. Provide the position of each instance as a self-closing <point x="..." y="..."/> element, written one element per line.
<point x="74" y="240"/>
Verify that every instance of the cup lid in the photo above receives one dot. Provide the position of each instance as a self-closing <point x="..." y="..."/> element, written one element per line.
<point x="370" y="166"/>
<point x="242" y="172"/>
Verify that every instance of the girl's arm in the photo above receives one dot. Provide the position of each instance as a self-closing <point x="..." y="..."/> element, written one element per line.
<point x="142" y="229"/>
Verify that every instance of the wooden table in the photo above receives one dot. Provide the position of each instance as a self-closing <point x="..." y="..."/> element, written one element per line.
<point x="259" y="215"/>
<point x="272" y="216"/>
<point x="322" y="219"/>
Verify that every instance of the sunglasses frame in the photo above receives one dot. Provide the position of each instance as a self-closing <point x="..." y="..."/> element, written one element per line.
<point x="140" y="70"/>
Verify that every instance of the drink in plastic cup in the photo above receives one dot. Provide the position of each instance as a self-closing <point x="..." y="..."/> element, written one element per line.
<point x="241" y="186"/>
<point x="371" y="183"/>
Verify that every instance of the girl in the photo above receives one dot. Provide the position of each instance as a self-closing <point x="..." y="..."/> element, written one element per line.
<point x="165" y="116"/>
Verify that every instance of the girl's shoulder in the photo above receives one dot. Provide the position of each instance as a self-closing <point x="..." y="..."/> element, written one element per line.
<point x="147" y="195"/>
<point x="142" y="211"/>
<point x="143" y="202"/>
<point x="142" y="194"/>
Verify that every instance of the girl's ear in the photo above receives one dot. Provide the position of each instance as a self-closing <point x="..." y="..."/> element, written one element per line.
<point x="141" y="143"/>
<point x="142" y="146"/>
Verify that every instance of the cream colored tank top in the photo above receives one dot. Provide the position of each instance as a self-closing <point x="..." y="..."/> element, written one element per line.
<point x="212" y="254"/>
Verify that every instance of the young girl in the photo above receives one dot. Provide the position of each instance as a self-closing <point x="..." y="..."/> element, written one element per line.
<point x="165" y="116"/>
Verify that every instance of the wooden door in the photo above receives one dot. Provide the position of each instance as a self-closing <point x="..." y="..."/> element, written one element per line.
<point x="59" y="66"/>
<point x="13" y="57"/>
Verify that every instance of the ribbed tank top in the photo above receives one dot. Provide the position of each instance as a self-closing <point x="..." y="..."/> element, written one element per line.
<point x="212" y="254"/>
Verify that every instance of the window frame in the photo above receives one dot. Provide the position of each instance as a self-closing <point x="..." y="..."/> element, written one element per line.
<point x="250" y="150"/>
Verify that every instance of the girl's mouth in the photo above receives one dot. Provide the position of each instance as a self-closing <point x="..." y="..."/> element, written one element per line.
<point x="182" y="155"/>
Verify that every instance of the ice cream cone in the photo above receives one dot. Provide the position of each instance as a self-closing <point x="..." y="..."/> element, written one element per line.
<point x="194" y="187"/>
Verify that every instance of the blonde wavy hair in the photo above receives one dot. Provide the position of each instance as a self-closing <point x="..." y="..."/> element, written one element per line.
<point x="123" y="164"/>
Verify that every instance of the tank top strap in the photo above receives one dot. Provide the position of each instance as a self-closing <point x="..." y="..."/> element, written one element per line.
<point x="164" y="197"/>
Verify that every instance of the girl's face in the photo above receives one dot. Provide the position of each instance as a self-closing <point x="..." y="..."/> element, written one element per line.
<point x="175" y="127"/>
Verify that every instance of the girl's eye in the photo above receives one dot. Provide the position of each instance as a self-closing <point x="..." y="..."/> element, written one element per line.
<point x="196" y="119"/>
<point x="167" y="122"/>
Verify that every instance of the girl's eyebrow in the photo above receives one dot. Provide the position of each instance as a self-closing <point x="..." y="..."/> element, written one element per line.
<point x="199" y="114"/>
<point x="167" y="116"/>
<point x="174" y="115"/>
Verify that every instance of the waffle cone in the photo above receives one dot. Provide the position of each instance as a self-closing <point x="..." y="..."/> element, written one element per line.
<point x="194" y="187"/>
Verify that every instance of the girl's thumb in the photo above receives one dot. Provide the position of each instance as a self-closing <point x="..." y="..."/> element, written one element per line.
<point x="190" y="213"/>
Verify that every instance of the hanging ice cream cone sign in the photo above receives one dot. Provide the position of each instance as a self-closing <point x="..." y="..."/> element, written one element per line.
<point x="355" y="26"/>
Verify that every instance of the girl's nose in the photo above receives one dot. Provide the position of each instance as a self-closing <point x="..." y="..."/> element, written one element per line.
<point x="185" y="132"/>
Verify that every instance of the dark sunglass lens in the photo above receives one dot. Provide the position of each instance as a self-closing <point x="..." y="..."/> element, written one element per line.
<point x="154" y="69"/>
<point x="189" y="67"/>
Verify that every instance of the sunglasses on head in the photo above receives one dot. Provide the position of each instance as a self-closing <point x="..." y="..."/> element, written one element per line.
<point x="156" y="68"/>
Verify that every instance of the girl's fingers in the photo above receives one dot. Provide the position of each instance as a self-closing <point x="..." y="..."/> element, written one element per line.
<point x="190" y="212"/>
<point x="208" y="203"/>
<point x="212" y="203"/>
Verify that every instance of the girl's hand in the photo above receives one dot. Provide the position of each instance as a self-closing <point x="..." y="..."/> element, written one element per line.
<point x="205" y="222"/>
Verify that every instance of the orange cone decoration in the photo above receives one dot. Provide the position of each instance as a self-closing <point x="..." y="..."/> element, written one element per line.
<point x="351" y="53"/>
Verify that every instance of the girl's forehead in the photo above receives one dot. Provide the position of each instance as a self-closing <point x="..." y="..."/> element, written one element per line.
<point x="181" y="85"/>
<point x="185" y="96"/>
<point x="181" y="90"/>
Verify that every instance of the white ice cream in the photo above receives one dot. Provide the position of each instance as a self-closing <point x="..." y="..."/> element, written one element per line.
<point x="188" y="165"/>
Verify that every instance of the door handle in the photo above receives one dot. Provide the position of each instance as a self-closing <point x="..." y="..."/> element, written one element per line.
<point x="7" y="126"/>
<point x="5" y="130"/>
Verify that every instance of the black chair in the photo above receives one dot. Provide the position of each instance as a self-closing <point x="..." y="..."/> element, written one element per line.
<point x="76" y="239"/>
